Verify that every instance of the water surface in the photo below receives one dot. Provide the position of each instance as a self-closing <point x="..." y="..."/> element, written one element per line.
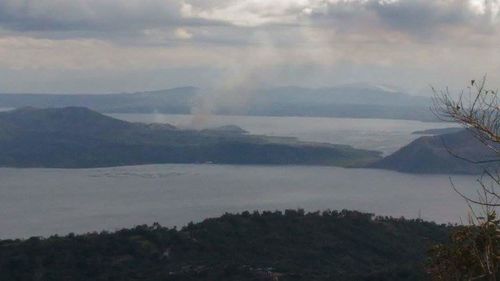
<point x="49" y="201"/>
<point x="384" y="135"/>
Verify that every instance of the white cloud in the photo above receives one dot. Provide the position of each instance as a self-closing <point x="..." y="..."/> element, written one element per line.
<point x="490" y="8"/>
<point x="183" y="33"/>
<point x="256" y="12"/>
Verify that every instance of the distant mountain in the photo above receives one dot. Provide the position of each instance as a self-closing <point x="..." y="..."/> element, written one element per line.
<point x="359" y="94"/>
<point x="177" y="100"/>
<point x="76" y="137"/>
<point x="354" y="100"/>
<point x="350" y="101"/>
<point x="431" y="154"/>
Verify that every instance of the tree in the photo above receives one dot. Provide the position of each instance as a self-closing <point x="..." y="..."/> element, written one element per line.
<point x="474" y="250"/>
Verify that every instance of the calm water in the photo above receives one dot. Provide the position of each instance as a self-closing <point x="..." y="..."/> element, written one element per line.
<point x="49" y="201"/>
<point x="377" y="134"/>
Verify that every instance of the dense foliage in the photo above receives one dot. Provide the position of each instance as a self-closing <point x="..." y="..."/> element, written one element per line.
<point x="292" y="245"/>
<point x="472" y="254"/>
<point x="474" y="250"/>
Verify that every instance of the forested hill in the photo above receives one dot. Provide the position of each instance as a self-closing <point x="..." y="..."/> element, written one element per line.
<point x="264" y="246"/>
<point x="445" y="153"/>
<point x="76" y="137"/>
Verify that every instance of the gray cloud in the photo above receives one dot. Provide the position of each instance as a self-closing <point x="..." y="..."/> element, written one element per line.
<point x="111" y="19"/>
<point x="77" y="15"/>
<point x="419" y="19"/>
<point x="428" y="18"/>
<point x="289" y="41"/>
<point x="124" y="22"/>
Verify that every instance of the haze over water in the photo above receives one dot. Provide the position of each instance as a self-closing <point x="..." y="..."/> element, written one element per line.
<point x="49" y="201"/>
<point x="385" y="135"/>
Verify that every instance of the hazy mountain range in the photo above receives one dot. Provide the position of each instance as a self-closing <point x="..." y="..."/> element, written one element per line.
<point x="354" y="100"/>
<point x="76" y="137"/>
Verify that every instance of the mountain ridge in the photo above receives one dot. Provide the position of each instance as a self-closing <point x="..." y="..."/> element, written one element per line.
<point x="440" y="154"/>
<point x="75" y="137"/>
<point x="354" y="102"/>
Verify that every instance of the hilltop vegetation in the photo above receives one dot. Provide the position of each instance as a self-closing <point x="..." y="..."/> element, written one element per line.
<point x="344" y="245"/>
<point x="76" y="137"/>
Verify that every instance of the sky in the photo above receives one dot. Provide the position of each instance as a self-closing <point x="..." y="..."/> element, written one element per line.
<point x="99" y="46"/>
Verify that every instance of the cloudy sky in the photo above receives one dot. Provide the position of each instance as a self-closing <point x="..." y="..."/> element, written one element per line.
<point x="131" y="45"/>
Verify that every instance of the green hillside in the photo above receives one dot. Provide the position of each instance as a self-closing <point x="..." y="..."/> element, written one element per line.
<point x="344" y="245"/>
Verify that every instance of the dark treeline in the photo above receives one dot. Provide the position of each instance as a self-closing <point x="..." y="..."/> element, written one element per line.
<point x="290" y="245"/>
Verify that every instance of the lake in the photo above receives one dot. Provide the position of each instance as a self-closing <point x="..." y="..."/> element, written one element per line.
<point x="48" y="201"/>
<point x="384" y="135"/>
<point x="42" y="202"/>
